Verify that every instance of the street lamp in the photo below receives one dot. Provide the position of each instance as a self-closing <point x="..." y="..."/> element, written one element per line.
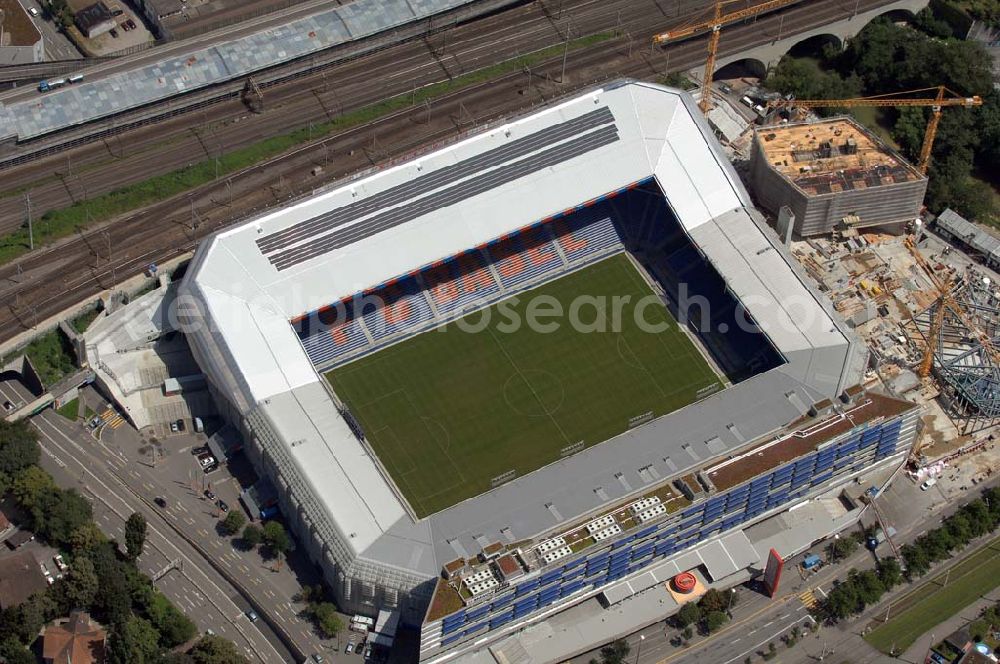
<point x="732" y="594"/>
<point x="642" y="637"/>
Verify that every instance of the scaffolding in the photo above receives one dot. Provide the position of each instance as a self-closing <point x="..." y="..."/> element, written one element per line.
<point x="967" y="369"/>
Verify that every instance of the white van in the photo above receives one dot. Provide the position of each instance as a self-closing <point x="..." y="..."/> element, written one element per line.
<point x="928" y="483"/>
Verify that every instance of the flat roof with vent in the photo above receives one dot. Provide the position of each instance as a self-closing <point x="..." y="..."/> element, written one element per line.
<point x="832" y="155"/>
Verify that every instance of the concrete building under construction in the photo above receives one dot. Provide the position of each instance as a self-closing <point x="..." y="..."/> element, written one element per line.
<point x="833" y="174"/>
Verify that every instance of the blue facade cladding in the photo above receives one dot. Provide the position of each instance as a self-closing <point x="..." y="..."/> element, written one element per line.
<point x="698" y="522"/>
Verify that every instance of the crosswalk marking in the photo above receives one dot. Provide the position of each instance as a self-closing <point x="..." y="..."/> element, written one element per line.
<point x="809" y="599"/>
<point x="112" y="419"/>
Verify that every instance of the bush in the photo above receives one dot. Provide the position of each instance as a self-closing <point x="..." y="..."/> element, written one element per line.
<point x="233" y="522"/>
<point x="713" y="621"/>
<point x="252" y="536"/>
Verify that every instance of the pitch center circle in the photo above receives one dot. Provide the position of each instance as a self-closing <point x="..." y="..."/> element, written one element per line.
<point x="534" y="393"/>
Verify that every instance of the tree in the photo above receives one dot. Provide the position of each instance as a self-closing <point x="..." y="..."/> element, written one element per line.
<point x="135" y="535"/>
<point x="216" y="650"/>
<point x="917" y="560"/>
<point x="713" y="600"/>
<point x="689" y="614"/>
<point x="81" y="584"/>
<point x="842" y="548"/>
<point x="12" y="652"/>
<point x="57" y="513"/>
<point x="174" y="627"/>
<point x="276" y="538"/>
<point x="18" y="447"/>
<point x="29" y="484"/>
<point x="233" y="522"/>
<point x="327" y="620"/>
<point x="714" y="620"/>
<point x="890" y="573"/>
<point x="133" y="641"/>
<point x="252" y="536"/>
<point x="615" y="652"/>
<point x="870" y="588"/>
<point x="86" y="537"/>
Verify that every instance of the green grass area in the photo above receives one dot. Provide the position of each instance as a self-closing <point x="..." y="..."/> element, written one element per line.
<point x="52" y="356"/>
<point x="935" y="602"/>
<point x="449" y="410"/>
<point x="83" y="321"/>
<point x="63" y="222"/>
<point x="70" y="409"/>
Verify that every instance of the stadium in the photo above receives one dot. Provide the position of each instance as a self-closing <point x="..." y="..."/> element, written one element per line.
<point x="539" y="364"/>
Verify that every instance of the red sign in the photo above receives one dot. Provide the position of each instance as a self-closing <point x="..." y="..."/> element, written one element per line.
<point x="772" y="573"/>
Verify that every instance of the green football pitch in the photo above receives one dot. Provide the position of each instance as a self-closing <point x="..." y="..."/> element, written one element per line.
<point x="451" y="409"/>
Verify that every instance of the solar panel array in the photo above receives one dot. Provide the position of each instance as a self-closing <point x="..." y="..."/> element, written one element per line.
<point x="444" y="187"/>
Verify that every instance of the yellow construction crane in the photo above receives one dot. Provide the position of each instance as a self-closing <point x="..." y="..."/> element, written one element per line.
<point x="715" y="25"/>
<point x="943" y="286"/>
<point x="944" y="97"/>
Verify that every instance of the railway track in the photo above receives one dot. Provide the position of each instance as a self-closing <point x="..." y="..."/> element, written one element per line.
<point x="51" y="279"/>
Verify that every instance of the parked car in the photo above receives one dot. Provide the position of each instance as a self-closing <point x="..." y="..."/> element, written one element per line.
<point x="173" y="427"/>
<point x="180" y="425"/>
<point x="198" y="451"/>
<point x="114" y="33"/>
<point x="211" y="468"/>
<point x="209" y="494"/>
<point x="223" y="506"/>
<point x="7" y="405"/>
<point x="206" y="460"/>
<point x="60" y="563"/>
<point x="350" y="647"/>
<point x="117" y="11"/>
<point x="123" y="26"/>
<point x="318" y="658"/>
<point x="131" y="24"/>
<point x="33" y="11"/>
<point x="368" y="651"/>
<point x="928" y="483"/>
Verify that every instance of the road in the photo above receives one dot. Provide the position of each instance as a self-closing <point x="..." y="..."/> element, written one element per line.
<point x="203" y="594"/>
<point x="57" y="45"/>
<point x="51" y="279"/>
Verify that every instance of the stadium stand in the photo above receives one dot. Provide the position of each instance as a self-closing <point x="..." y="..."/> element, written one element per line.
<point x="456" y="286"/>
<point x="638" y="220"/>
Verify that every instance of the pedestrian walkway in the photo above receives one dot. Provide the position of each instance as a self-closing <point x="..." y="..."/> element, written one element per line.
<point x="112" y="419"/>
<point x="809" y="599"/>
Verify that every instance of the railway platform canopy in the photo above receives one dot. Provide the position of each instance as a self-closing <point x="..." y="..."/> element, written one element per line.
<point x="154" y="83"/>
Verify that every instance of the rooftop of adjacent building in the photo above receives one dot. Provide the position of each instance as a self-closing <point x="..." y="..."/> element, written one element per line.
<point x="827" y="420"/>
<point x="16" y="27"/>
<point x="74" y="640"/>
<point x="832" y="155"/>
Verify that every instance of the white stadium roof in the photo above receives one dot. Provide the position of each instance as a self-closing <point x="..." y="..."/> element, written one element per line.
<point x="394" y="221"/>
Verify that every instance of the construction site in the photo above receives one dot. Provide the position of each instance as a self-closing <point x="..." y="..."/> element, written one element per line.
<point x="833" y="173"/>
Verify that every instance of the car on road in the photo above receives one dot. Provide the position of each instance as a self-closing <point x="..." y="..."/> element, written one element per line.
<point x="928" y="483"/>
<point x="209" y="494"/>
<point x="223" y="506"/>
<point x="251" y="615"/>
<point x="60" y="563"/>
<point x="161" y="501"/>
